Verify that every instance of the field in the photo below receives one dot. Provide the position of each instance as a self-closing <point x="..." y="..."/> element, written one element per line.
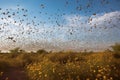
<point x="59" y="39"/>
<point x="42" y="65"/>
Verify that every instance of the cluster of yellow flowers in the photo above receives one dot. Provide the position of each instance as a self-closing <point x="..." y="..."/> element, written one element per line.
<point x="41" y="70"/>
<point x="90" y="69"/>
<point x="102" y="72"/>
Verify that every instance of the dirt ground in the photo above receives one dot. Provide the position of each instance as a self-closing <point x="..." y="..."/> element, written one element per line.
<point x="14" y="74"/>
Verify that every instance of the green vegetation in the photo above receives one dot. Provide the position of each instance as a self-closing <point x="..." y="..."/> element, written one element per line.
<point x="43" y="65"/>
<point x="116" y="50"/>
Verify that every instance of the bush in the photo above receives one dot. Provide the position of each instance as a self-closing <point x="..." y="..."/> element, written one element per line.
<point x="116" y="50"/>
<point x="41" y="51"/>
<point x="63" y="58"/>
<point x="15" y="51"/>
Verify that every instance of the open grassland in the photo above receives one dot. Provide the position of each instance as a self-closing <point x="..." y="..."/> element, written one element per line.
<point x="59" y="66"/>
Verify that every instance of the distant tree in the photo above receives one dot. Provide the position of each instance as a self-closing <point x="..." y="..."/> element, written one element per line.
<point x="22" y="51"/>
<point x="40" y="51"/>
<point x="116" y="50"/>
<point x="85" y="51"/>
<point x="15" y="51"/>
<point x="91" y="52"/>
<point x="108" y="50"/>
<point x="32" y="52"/>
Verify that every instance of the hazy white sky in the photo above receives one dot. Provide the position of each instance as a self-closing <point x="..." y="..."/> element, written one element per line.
<point x="59" y="25"/>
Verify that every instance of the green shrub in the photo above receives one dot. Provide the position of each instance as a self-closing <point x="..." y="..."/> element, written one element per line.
<point x="15" y="51"/>
<point x="116" y="50"/>
<point x="41" y="51"/>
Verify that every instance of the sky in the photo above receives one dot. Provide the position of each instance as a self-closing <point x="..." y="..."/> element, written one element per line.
<point x="59" y="24"/>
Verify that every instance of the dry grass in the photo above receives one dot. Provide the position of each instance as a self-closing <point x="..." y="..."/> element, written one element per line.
<point x="63" y="65"/>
